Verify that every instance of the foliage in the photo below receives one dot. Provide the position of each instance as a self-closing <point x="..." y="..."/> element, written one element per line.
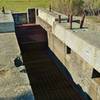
<point x="68" y="6"/>
<point x="93" y="4"/>
<point x="75" y="7"/>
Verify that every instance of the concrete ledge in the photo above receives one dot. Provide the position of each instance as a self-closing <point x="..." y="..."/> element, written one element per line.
<point x="84" y="42"/>
<point x="6" y="22"/>
<point x="81" y="42"/>
<point x="84" y="53"/>
<point x="9" y="48"/>
<point x="47" y="16"/>
<point x="14" y="85"/>
<point x="20" y="18"/>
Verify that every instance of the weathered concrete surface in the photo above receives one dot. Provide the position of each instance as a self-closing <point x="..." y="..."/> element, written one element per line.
<point x="14" y="85"/>
<point x="9" y="48"/>
<point x="85" y="42"/>
<point x="48" y="17"/>
<point x="6" y="22"/>
<point x="85" y="50"/>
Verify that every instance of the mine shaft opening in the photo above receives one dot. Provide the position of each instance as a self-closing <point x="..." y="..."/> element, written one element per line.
<point x="47" y="81"/>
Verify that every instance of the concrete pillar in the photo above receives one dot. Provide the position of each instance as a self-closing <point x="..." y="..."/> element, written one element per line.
<point x="50" y="8"/>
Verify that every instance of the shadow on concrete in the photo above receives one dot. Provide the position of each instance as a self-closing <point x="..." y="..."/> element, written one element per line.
<point x="68" y="76"/>
<point x="95" y="74"/>
<point x="25" y="96"/>
<point x="49" y="78"/>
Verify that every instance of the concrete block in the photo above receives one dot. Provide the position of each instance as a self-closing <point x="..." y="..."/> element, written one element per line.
<point x="6" y="23"/>
<point x="9" y="48"/>
<point x="51" y="41"/>
<point x="59" y="49"/>
<point x="96" y="82"/>
<point x="59" y="32"/>
<point x="87" y="70"/>
<point x="59" y="55"/>
<point x="85" y="50"/>
<point x="46" y="17"/>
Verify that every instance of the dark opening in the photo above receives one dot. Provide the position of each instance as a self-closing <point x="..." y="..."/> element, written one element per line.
<point x="68" y="50"/>
<point x="31" y="15"/>
<point x="95" y="74"/>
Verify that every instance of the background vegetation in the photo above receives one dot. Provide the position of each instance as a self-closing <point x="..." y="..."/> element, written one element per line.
<point x="76" y="7"/>
<point x="22" y="5"/>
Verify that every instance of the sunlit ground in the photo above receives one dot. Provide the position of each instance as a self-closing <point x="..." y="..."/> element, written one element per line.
<point x="95" y="19"/>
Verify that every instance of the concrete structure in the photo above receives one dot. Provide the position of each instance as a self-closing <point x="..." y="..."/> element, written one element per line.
<point x="77" y="49"/>
<point x="84" y="47"/>
<point x="6" y="22"/>
<point x="14" y="85"/>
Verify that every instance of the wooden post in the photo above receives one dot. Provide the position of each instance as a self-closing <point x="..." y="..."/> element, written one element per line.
<point x="82" y="21"/>
<point x="37" y="12"/>
<point x="3" y="10"/>
<point x="59" y="18"/>
<point x="50" y="8"/>
<point x="68" y="18"/>
<point x="71" y="20"/>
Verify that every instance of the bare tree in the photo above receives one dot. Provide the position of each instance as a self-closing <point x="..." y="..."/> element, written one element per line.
<point x="68" y="6"/>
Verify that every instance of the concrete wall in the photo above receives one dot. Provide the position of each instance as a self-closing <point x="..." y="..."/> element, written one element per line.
<point x="47" y="17"/>
<point x="84" y="56"/>
<point x="9" y="48"/>
<point x="20" y="18"/>
<point x="6" y="23"/>
<point x="14" y="84"/>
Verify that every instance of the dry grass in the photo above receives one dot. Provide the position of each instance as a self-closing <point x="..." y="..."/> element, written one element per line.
<point x="95" y="19"/>
<point x="22" y="5"/>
